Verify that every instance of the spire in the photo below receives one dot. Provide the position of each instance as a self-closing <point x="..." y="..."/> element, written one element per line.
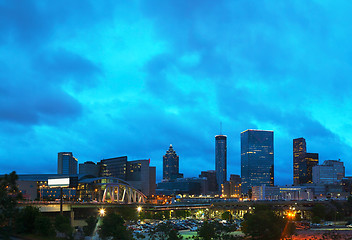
<point x="220" y="128"/>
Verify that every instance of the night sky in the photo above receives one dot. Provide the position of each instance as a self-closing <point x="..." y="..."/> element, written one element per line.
<point x="112" y="78"/>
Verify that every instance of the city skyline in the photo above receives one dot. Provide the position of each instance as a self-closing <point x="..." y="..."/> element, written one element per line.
<point x="128" y="79"/>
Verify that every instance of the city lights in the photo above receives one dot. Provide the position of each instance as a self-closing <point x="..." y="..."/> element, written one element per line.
<point x="102" y="212"/>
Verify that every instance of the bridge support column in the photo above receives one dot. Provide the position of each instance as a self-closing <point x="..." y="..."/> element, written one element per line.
<point x="72" y="213"/>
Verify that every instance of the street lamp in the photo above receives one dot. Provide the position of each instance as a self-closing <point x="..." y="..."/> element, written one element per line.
<point x="139" y="209"/>
<point x="102" y="212"/>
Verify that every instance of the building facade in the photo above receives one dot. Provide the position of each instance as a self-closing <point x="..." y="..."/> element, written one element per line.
<point x="236" y="179"/>
<point x="312" y="159"/>
<point x="330" y="172"/>
<point x="152" y="181"/>
<point x="114" y="167"/>
<point x="66" y="163"/>
<point x="303" y="162"/>
<point x="221" y="159"/>
<point x="140" y="176"/>
<point x="211" y="182"/>
<point x="257" y="159"/>
<point x="89" y="168"/>
<point x="192" y="186"/>
<point x="265" y="192"/>
<point x="171" y="165"/>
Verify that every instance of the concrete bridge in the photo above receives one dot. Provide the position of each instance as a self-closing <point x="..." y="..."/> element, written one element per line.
<point x="80" y="211"/>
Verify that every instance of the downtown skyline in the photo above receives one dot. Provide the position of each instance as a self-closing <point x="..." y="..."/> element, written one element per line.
<point x="129" y="79"/>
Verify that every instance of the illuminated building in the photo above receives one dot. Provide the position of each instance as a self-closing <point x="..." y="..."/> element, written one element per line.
<point x="66" y="163"/>
<point x="265" y="192"/>
<point x="332" y="171"/>
<point x="220" y="159"/>
<point x="312" y="159"/>
<point x="257" y="159"/>
<point x="232" y="188"/>
<point x="141" y="176"/>
<point x="171" y="165"/>
<point x="114" y="167"/>
<point x="227" y="189"/>
<point x="236" y="180"/>
<point x="138" y="173"/>
<point x="303" y="162"/>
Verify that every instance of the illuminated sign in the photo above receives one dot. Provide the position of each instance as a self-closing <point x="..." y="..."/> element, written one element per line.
<point x="59" y="182"/>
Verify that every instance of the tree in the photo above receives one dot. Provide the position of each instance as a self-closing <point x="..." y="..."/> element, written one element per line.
<point x="26" y="218"/>
<point x="91" y="223"/>
<point x="207" y="231"/>
<point x="30" y="220"/>
<point x="182" y="213"/>
<point x="43" y="226"/>
<point x="263" y="224"/>
<point x="215" y="230"/>
<point x="62" y="225"/>
<point x="319" y="211"/>
<point x="226" y="216"/>
<point x="9" y="196"/>
<point x="113" y="226"/>
<point x="146" y="215"/>
<point x="128" y="213"/>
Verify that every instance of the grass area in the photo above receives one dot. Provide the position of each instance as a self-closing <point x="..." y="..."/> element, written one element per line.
<point x="188" y="233"/>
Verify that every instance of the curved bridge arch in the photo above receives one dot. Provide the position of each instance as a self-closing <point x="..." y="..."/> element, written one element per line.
<point x="122" y="193"/>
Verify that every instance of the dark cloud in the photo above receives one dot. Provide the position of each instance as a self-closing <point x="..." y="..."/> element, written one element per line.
<point x="64" y="66"/>
<point x="129" y="78"/>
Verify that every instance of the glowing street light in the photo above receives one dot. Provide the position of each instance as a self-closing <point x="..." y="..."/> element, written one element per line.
<point x="102" y="212"/>
<point x="139" y="209"/>
<point x="291" y="215"/>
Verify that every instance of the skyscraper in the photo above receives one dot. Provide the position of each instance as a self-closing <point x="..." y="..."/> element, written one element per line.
<point x="257" y="159"/>
<point x="66" y="163"/>
<point x="220" y="159"/>
<point x="299" y="166"/>
<point x="312" y="159"/>
<point x="171" y="165"/>
<point x="114" y="167"/>
<point x="303" y="162"/>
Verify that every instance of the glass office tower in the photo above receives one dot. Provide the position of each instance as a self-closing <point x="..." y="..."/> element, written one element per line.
<point x="220" y="159"/>
<point x="66" y="163"/>
<point x="257" y="159"/>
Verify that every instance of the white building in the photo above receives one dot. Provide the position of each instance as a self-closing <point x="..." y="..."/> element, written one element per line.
<point x="331" y="171"/>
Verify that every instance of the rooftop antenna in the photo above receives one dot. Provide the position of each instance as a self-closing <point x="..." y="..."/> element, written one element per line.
<point x="220" y="128"/>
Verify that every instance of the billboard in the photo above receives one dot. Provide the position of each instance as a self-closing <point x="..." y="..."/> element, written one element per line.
<point x="59" y="182"/>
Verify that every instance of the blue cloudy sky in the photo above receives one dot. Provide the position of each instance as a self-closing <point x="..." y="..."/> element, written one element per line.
<point x="113" y="78"/>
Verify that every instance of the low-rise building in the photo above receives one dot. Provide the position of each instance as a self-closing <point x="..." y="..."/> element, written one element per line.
<point x="330" y="172"/>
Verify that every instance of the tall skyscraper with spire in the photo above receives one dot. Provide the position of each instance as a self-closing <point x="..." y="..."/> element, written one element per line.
<point x="171" y="165"/>
<point x="221" y="159"/>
